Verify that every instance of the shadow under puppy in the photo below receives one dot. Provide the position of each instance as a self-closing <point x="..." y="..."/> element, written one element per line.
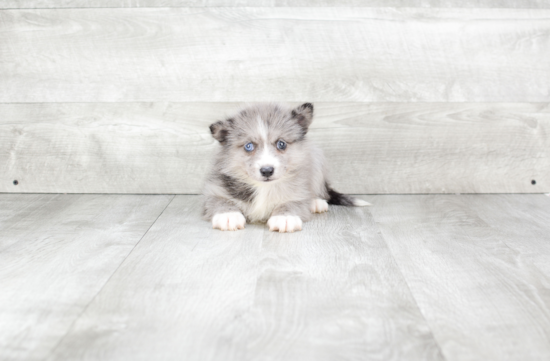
<point x="267" y="169"/>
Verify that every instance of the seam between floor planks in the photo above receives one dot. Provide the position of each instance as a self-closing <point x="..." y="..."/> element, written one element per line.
<point x="64" y="246"/>
<point x="463" y="336"/>
<point x="398" y="266"/>
<point x="107" y="281"/>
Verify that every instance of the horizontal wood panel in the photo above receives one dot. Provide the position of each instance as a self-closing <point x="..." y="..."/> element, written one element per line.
<point x="286" y="54"/>
<point x="370" y="148"/>
<point x="18" y="4"/>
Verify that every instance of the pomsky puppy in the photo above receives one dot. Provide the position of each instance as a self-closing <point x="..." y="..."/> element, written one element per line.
<point x="266" y="169"/>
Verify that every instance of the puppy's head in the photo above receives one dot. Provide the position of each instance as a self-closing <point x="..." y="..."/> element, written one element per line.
<point x="265" y="142"/>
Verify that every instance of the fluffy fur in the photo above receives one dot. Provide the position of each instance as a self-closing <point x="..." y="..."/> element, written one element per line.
<point x="237" y="191"/>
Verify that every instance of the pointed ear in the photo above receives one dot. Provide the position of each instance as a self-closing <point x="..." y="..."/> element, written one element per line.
<point x="303" y="115"/>
<point x="220" y="130"/>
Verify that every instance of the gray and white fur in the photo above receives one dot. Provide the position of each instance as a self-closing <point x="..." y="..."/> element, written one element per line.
<point x="267" y="170"/>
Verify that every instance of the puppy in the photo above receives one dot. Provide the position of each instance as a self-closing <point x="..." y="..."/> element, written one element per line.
<point x="266" y="169"/>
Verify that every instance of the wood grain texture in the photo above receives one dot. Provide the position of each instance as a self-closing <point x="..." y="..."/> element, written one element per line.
<point x="329" y="292"/>
<point x="523" y="225"/>
<point x="184" y="284"/>
<point x="370" y="148"/>
<point x="471" y="264"/>
<point x="22" y="4"/>
<point x="56" y="253"/>
<point x="261" y="54"/>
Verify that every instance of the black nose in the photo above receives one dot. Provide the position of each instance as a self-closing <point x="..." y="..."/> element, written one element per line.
<point x="267" y="171"/>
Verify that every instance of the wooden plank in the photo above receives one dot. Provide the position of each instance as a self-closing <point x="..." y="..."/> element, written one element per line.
<point x="44" y="4"/>
<point x="16" y="210"/>
<point x="261" y="54"/>
<point x="483" y="297"/>
<point x="522" y="224"/>
<point x="329" y="292"/>
<point x="56" y="253"/>
<point x="183" y="285"/>
<point x="13" y="206"/>
<point x="371" y="148"/>
<point x="436" y="148"/>
<point x="334" y="292"/>
<point x="107" y="148"/>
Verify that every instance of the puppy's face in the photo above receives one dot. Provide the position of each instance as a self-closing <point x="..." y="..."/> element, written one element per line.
<point x="263" y="143"/>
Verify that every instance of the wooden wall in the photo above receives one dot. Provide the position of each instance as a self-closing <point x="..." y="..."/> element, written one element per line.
<point x="116" y="96"/>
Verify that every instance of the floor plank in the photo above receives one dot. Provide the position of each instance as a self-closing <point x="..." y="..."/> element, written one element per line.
<point x="329" y="292"/>
<point x="524" y="225"/>
<point x="427" y="277"/>
<point x="56" y="252"/>
<point x="334" y="292"/>
<point x="471" y="264"/>
<point x="18" y="212"/>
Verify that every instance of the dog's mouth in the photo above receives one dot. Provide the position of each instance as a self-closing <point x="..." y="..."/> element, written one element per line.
<point x="269" y="179"/>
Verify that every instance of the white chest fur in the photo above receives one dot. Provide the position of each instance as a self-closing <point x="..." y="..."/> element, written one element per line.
<point x="265" y="200"/>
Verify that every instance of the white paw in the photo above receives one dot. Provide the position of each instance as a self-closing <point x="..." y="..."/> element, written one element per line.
<point x="318" y="206"/>
<point x="230" y="221"/>
<point x="285" y="223"/>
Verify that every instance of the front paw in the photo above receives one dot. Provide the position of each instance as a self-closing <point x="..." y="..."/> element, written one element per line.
<point x="230" y="221"/>
<point x="318" y="205"/>
<point x="285" y="223"/>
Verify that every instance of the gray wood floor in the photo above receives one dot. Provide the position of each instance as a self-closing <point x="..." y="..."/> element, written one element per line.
<point x="141" y="277"/>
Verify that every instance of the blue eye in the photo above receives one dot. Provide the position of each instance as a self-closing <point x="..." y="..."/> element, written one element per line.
<point x="281" y="144"/>
<point x="249" y="147"/>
